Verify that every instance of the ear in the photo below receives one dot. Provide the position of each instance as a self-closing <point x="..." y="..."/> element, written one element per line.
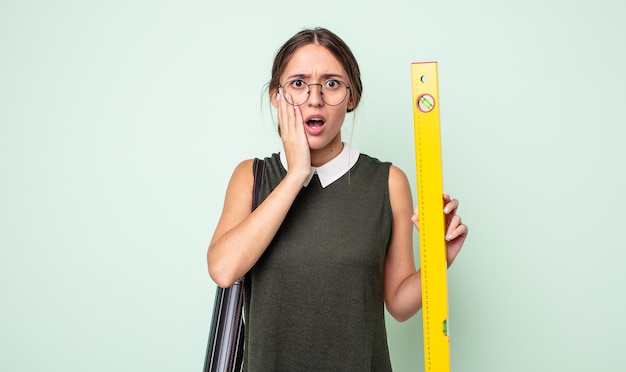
<point x="273" y="93"/>
<point x="351" y="105"/>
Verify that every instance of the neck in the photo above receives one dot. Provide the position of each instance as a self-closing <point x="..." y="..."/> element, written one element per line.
<point x="322" y="156"/>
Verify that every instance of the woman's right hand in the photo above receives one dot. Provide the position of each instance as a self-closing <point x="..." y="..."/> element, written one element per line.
<point x="241" y="236"/>
<point x="294" y="139"/>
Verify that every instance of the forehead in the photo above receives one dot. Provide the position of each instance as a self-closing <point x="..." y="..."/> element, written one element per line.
<point x="313" y="60"/>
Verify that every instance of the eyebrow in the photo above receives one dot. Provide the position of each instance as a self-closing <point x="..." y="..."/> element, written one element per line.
<point x="324" y="76"/>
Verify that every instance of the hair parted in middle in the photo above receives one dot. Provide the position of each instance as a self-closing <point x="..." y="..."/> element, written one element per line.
<point x="335" y="45"/>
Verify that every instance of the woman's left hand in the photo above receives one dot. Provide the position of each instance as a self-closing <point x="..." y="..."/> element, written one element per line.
<point x="456" y="231"/>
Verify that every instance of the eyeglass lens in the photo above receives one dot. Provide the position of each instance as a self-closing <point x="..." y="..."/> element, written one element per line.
<point x="333" y="92"/>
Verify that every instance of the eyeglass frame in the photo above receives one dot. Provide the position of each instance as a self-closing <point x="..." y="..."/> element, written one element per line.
<point x="321" y="85"/>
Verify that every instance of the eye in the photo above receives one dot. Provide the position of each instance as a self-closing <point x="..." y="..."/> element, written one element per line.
<point x="332" y="84"/>
<point x="297" y="84"/>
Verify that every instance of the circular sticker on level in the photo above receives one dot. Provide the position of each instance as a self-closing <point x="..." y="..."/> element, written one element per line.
<point x="425" y="103"/>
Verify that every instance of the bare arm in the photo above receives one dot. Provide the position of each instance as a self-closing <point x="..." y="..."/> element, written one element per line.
<point x="241" y="236"/>
<point x="403" y="284"/>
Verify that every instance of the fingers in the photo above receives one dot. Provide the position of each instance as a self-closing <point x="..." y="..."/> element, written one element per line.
<point x="456" y="228"/>
<point x="289" y="119"/>
<point x="299" y="121"/>
<point x="454" y="225"/>
<point x="450" y="205"/>
<point x="293" y="135"/>
<point x="415" y="219"/>
<point x="285" y="117"/>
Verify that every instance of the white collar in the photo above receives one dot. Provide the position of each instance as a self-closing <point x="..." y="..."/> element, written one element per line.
<point x="334" y="169"/>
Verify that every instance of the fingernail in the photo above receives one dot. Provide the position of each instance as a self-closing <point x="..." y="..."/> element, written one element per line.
<point x="448" y="237"/>
<point x="446" y="210"/>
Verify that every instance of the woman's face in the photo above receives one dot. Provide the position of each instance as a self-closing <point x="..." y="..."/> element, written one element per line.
<point x="314" y="64"/>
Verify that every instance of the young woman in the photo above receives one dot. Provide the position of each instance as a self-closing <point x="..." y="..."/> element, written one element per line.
<point x="331" y="244"/>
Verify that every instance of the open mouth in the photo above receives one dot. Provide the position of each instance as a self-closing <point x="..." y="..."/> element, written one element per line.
<point x="315" y="122"/>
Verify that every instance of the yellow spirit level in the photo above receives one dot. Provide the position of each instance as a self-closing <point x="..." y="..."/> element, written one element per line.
<point x="433" y="260"/>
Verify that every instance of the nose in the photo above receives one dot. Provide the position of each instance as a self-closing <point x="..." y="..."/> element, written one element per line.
<point x="315" y="98"/>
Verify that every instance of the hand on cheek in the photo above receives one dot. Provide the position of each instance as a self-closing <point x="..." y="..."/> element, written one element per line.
<point x="293" y="135"/>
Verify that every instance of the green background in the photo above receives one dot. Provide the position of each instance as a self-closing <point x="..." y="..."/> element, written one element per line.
<point x="121" y="122"/>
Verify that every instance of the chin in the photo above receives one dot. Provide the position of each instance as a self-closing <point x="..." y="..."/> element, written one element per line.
<point x="318" y="144"/>
<point x="321" y="142"/>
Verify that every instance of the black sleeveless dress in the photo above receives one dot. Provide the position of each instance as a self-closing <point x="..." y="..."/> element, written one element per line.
<point x="314" y="300"/>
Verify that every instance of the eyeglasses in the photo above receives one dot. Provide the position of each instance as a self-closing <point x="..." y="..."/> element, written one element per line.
<point x="297" y="92"/>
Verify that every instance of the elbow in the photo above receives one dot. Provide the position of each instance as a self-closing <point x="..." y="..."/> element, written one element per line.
<point x="403" y="314"/>
<point x="400" y="317"/>
<point x="222" y="281"/>
<point x="220" y="274"/>
<point x="221" y="278"/>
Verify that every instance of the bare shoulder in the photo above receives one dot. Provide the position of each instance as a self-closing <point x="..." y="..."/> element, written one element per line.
<point x="242" y="176"/>
<point x="399" y="188"/>
<point x="397" y="178"/>
<point x="244" y="166"/>
<point x="238" y="200"/>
